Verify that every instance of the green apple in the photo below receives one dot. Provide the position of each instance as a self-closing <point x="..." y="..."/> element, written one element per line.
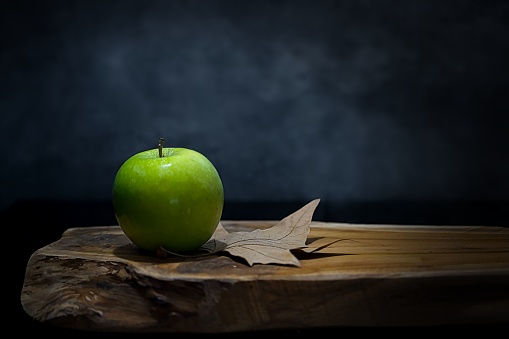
<point x="168" y="198"/>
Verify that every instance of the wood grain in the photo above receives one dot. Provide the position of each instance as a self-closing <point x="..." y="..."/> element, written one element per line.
<point x="94" y="278"/>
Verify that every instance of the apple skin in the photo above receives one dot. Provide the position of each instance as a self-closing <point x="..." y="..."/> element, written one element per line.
<point x="174" y="202"/>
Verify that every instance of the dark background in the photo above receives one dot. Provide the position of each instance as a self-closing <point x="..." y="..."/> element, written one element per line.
<point x="388" y="111"/>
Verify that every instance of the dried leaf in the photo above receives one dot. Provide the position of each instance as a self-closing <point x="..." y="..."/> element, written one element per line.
<point x="217" y="241"/>
<point x="318" y="244"/>
<point x="267" y="246"/>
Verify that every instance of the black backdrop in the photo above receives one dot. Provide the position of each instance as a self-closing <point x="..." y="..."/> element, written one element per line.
<point x="389" y="111"/>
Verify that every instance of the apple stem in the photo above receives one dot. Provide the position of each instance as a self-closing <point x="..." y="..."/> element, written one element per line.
<point x="160" y="147"/>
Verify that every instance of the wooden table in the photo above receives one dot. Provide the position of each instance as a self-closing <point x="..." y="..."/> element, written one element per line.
<point x="94" y="278"/>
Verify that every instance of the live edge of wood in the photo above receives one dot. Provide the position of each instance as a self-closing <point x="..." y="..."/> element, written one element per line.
<point x="94" y="279"/>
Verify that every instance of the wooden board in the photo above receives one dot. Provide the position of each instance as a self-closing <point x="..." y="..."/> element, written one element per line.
<point x="94" y="278"/>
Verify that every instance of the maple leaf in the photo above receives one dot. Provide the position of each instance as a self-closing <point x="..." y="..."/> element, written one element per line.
<point x="267" y="246"/>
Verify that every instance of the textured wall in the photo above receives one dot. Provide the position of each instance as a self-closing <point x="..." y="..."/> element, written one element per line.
<point x="291" y="100"/>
